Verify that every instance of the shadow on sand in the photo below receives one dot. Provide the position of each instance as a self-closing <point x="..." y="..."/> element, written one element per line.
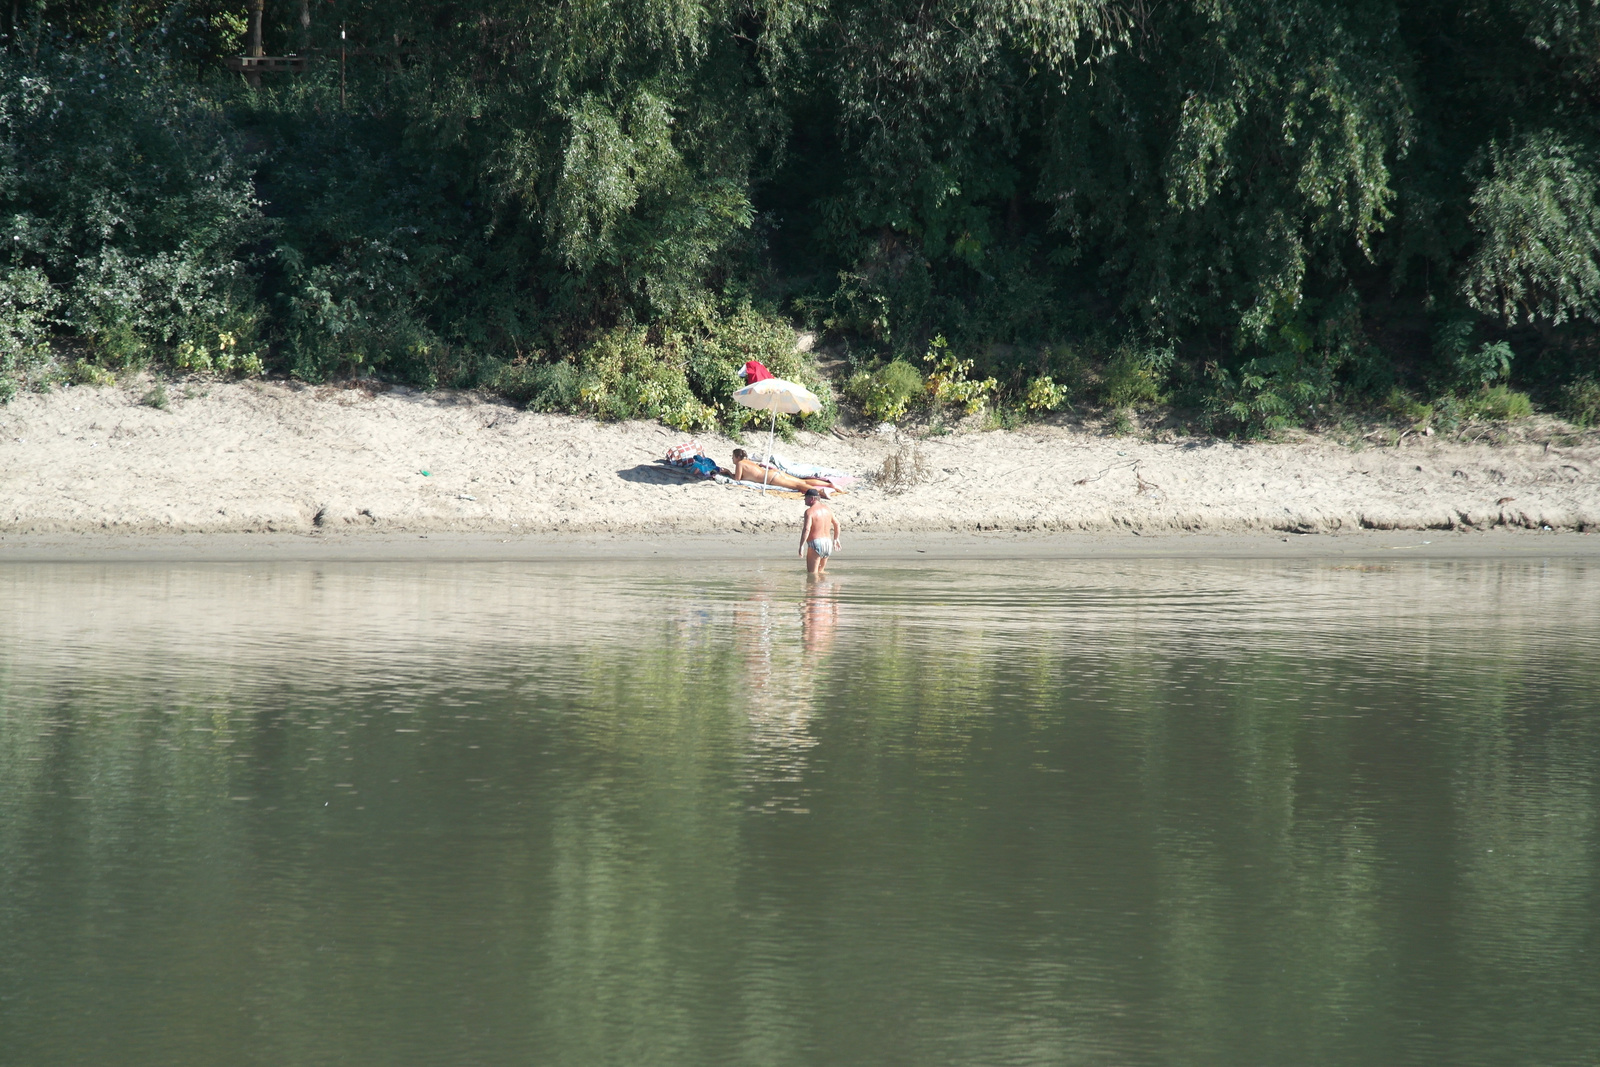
<point x="658" y="474"/>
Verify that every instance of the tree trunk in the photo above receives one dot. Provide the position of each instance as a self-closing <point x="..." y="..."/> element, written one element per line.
<point x="253" y="44"/>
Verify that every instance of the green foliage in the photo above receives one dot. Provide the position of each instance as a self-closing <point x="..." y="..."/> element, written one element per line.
<point x="950" y="382"/>
<point x="1538" y="218"/>
<point x="26" y="305"/>
<point x="1580" y="401"/>
<point x="682" y="372"/>
<point x="1406" y="407"/>
<point x="621" y="375"/>
<point x="579" y="203"/>
<point x="1484" y="366"/>
<point x="1044" y="395"/>
<point x="131" y="192"/>
<point x="886" y="393"/>
<point x="539" y="386"/>
<point x="1134" y="376"/>
<point x="1296" y="352"/>
<point x="1258" y="398"/>
<point x="84" y="372"/>
<point x="1498" y="403"/>
<point x="1449" y="410"/>
<point x="1262" y="164"/>
<point x="718" y="339"/>
<point x="1269" y="392"/>
<point x="220" y="354"/>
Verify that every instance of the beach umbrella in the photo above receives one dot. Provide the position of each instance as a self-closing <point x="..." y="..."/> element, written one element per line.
<point x="779" y="397"/>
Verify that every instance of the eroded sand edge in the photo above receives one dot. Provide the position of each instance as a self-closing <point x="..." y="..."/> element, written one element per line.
<point x="265" y="456"/>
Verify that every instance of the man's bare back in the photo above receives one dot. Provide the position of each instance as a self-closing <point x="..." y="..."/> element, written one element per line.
<point x="819" y="533"/>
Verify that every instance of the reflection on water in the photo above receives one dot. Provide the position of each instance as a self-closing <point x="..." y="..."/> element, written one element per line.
<point x="1027" y="813"/>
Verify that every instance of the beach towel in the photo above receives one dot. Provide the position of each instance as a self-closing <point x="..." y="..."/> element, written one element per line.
<point x="836" y="478"/>
<point x="755" y="487"/>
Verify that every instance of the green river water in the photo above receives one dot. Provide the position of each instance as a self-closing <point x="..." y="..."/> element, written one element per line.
<point x="1119" y="813"/>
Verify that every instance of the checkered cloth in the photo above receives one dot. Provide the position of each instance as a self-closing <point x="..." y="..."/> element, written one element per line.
<point x="683" y="455"/>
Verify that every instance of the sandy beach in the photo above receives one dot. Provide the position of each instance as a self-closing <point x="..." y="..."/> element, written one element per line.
<point x="329" y="463"/>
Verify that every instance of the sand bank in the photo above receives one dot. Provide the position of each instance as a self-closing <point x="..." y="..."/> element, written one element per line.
<point x="273" y="457"/>
<point x="775" y="548"/>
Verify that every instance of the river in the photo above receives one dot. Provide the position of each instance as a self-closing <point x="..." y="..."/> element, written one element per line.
<point x="994" y="812"/>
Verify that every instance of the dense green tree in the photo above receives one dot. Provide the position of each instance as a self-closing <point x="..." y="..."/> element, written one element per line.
<point x="1308" y="202"/>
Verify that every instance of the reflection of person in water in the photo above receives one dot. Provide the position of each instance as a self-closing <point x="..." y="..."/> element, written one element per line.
<point x="819" y="617"/>
<point x="779" y="710"/>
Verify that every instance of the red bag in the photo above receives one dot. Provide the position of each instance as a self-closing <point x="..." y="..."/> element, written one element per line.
<point x="754" y="372"/>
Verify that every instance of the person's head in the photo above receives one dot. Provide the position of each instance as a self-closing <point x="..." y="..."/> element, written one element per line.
<point x="812" y="496"/>
<point x="739" y="454"/>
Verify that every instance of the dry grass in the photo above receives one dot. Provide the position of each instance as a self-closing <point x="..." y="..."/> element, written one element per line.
<point x="904" y="468"/>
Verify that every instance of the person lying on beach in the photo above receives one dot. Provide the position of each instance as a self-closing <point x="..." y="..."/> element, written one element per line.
<point x="746" y="469"/>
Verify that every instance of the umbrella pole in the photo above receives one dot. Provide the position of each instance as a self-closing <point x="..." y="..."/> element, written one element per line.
<point x="766" y="468"/>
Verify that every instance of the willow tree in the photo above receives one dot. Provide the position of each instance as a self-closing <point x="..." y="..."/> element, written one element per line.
<point x="1263" y="198"/>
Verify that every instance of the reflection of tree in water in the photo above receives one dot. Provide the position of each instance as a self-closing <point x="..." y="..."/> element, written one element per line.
<point x="1184" y="834"/>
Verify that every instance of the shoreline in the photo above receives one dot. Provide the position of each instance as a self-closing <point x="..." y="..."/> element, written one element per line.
<point x="779" y="549"/>
<point x="263" y="458"/>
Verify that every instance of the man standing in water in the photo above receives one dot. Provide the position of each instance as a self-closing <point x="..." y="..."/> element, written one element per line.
<point x="819" y="533"/>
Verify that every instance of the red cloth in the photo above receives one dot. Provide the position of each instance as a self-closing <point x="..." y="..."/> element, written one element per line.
<point x="755" y="372"/>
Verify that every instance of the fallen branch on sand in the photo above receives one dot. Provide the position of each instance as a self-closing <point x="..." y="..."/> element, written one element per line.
<point x="1144" y="486"/>
<point x="1105" y="471"/>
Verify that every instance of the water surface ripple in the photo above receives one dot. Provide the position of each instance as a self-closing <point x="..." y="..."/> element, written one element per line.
<point x="1098" y="812"/>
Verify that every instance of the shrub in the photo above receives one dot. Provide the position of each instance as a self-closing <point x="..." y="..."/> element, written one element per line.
<point x="132" y="194"/>
<point x="84" y="372"/>
<point x="1580" y="401"/>
<point x="1498" y="403"/>
<point x="156" y="397"/>
<point x="682" y="372"/>
<point x="539" y="386"/>
<point x="1407" y="407"/>
<point x="716" y="341"/>
<point x="885" y="394"/>
<point x="950" y="381"/>
<point x="1263" y="395"/>
<point x="220" y="353"/>
<point x="1133" y="376"/>
<point x="621" y="375"/>
<point x="1067" y="366"/>
<point x="1043" y="394"/>
<point x="26" y="305"/>
<point x="1487" y="364"/>
<point x="1369" y="373"/>
<point x="1536" y="211"/>
<point x="1449" y="412"/>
